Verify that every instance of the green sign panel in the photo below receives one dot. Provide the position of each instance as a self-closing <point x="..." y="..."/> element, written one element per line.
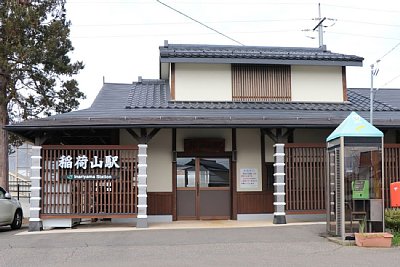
<point x="89" y="177"/>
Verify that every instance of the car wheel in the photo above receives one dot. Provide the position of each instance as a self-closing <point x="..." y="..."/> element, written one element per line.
<point x="17" y="222"/>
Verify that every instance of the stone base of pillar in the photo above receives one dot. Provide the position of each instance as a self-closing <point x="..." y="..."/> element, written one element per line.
<point x="142" y="223"/>
<point x="35" y="226"/>
<point x="279" y="219"/>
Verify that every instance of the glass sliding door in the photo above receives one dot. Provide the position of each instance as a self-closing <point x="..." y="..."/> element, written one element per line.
<point x="203" y="188"/>
<point x="186" y="188"/>
<point x="215" y="193"/>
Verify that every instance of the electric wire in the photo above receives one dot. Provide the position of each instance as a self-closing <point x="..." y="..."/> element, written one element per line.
<point x="252" y="21"/>
<point x="364" y="8"/>
<point x="235" y="32"/>
<point x="196" y="2"/>
<point x="364" y="35"/>
<point x="173" y="34"/>
<point x="388" y="52"/>
<point x="183" y="23"/>
<point x="233" y="21"/>
<point x="391" y="80"/>
<point x="208" y="27"/>
<point x="369" y="23"/>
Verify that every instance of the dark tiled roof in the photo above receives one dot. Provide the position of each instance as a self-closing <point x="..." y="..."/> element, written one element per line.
<point x="152" y="94"/>
<point x="388" y="96"/>
<point x="148" y="94"/>
<point x="111" y="96"/>
<point x="146" y="104"/>
<point x="253" y="54"/>
<point x="361" y="102"/>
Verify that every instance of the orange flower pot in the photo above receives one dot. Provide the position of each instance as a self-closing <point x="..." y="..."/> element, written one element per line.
<point x="381" y="240"/>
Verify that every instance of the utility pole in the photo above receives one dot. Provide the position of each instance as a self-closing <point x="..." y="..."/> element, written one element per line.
<point x="371" y="97"/>
<point x="374" y="72"/>
<point x="320" y="27"/>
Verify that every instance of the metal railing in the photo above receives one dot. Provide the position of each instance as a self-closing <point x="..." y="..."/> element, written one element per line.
<point x="18" y="186"/>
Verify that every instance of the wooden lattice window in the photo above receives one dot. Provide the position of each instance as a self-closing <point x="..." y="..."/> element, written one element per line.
<point x="77" y="183"/>
<point x="261" y="82"/>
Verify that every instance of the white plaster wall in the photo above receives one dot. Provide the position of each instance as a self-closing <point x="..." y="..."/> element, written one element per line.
<point x="159" y="159"/>
<point x="248" y="144"/>
<point x="203" y="82"/>
<point x="182" y="134"/>
<point x="159" y="162"/>
<point x="317" y="83"/>
<point x="311" y="135"/>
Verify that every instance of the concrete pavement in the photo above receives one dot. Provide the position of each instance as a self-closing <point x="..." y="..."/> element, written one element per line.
<point x="289" y="245"/>
<point x="107" y="226"/>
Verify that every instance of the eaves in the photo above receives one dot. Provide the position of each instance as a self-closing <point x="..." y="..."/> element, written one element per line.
<point x="261" y="61"/>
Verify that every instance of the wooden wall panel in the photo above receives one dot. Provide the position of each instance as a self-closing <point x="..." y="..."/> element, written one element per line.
<point x="204" y="145"/>
<point x="159" y="203"/>
<point x="305" y="177"/>
<point x="344" y="82"/>
<point x="72" y="188"/>
<point x="261" y="82"/>
<point x="306" y="172"/>
<point x="255" y="202"/>
<point x="172" y="81"/>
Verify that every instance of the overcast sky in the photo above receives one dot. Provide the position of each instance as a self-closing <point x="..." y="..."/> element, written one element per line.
<point x="119" y="39"/>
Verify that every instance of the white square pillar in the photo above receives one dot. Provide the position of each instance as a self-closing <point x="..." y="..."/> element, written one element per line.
<point x="35" y="223"/>
<point x="142" y="221"/>
<point x="279" y="185"/>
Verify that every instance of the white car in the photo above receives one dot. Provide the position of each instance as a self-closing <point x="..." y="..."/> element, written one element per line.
<point x="10" y="210"/>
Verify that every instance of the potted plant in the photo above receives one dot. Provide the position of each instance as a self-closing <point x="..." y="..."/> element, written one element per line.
<point x="383" y="240"/>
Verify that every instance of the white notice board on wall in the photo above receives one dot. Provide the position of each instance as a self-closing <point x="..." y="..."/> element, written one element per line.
<point x="248" y="178"/>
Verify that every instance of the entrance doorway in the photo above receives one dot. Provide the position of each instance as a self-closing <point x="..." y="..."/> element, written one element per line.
<point x="203" y="188"/>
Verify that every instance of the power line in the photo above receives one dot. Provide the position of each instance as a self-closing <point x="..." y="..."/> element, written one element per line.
<point x="370" y="23"/>
<point x="172" y="34"/>
<point x="183" y="23"/>
<point x="262" y="2"/>
<point x="208" y="27"/>
<point x="231" y="21"/>
<point x="364" y="35"/>
<point x="195" y="2"/>
<point x="108" y="2"/>
<point x="390" y="51"/>
<point x="364" y="8"/>
<point x="397" y="76"/>
<point x="236" y="32"/>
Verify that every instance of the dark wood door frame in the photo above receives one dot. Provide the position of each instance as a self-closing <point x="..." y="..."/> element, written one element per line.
<point x="174" y="155"/>
<point x="198" y="189"/>
<point x="233" y="159"/>
<point x="198" y="156"/>
<point x="234" y="203"/>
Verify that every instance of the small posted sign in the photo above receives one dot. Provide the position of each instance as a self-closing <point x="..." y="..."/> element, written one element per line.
<point x="248" y="178"/>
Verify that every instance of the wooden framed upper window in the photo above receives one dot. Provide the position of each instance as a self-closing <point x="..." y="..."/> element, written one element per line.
<point x="261" y="82"/>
